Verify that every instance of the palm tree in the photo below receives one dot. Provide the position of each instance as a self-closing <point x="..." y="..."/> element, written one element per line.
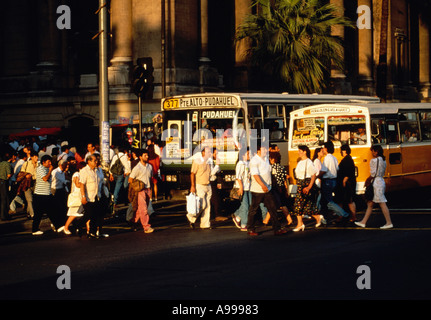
<point x="291" y="42"/>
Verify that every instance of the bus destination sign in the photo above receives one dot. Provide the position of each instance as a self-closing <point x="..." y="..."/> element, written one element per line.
<point x="201" y="102"/>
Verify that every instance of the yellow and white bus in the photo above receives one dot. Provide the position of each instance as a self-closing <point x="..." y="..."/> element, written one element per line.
<point x="228" y="122"/>
<point x="402" y="129"/>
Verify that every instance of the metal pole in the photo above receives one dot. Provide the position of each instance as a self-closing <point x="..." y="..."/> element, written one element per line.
<point x="140" y="121"/>
<point x="163" y="62"/>
<point x="103" y="81"/>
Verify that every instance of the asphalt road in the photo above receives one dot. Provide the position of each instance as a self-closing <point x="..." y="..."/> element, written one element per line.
<point x="176" y="263"/>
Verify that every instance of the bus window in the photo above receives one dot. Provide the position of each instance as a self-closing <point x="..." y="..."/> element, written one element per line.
<point x="391" y="131"/>
<point x="409" y="128"/>
<point x="348" y="129"/>
<point x="255" y="116"/>
<point x="218" y="126"/>
<point x="309" y="132"/>
<point x="377" y="131"/>
<point x="425" y="118"/>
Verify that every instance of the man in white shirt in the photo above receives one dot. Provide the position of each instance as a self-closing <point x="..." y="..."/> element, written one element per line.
<point x="260" y="171"/>
<point x="91" y="149"/>
<point x="91" y="193"/>
<point x="200" y="175"/>
<point x="143" y="172"/>
<point x="329" y="182"/>
<point x="59" y="190"/>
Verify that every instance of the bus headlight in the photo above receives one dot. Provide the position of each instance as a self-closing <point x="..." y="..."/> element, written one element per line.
<point x="171" y="178"/>
<point x="229" y="177"/>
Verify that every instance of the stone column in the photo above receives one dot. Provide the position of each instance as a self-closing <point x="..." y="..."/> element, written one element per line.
<point x="204" y="32"/>
<point x="365" y="55"/>
<point x="424" y="63"/>
<point x="338" y="77"/>
<point x="242" y="9"/>
<point x="122" y="32"/>
<point x="208" y="77"/>
<point x="48" y="44"/>
<point x="46" y="77"/>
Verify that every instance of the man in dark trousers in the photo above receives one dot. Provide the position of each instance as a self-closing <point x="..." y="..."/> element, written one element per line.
<point x="260" y="170"/>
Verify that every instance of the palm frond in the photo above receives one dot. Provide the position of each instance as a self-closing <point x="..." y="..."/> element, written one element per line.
<point x="291" y="41"/>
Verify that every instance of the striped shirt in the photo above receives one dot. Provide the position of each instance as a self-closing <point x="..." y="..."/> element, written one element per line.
<point x="42" y="187"/>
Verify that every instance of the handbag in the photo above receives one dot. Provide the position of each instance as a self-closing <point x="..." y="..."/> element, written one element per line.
<point x="193" y="204"/>
<point x="21" y="175"/>
<point x="74" y="199"/>
<point x="369" y="188"/>
<point x="234" y="194"/>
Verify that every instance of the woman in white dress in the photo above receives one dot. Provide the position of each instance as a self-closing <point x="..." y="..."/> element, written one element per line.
<point x="377" y="170"/>
<point x="74" y="212"/>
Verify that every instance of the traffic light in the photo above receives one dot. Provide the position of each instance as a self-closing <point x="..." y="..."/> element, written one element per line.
<point x="143" y="78"/>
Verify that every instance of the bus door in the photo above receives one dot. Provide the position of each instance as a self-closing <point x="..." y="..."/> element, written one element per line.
<point x="393" y="153"/>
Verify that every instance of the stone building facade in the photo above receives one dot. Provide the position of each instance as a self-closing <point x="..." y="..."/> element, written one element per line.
<point x="49" y="76"/>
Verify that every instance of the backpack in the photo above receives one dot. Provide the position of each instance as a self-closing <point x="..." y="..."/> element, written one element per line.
<point x="117" y="168"/>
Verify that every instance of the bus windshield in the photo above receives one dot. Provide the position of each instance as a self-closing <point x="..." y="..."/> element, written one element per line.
<point x="345" y="129"/>
<point x="308" y="131"/>
<point x="189" y="130"/>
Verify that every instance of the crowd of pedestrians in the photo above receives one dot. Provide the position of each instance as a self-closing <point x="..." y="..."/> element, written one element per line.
<point x="74" y="188"/>
<point x="325" y="188"/>
<point x="75" y="191"/>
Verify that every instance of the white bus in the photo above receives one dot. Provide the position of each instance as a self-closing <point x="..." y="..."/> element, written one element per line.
<point x="402" y="129"/>
<point x="227" y="121"/>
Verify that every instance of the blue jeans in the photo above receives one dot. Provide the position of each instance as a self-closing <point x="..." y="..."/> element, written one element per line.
<point x="118" y="184"/>
<point x="327" y="201"/>
<point x="242" y="211"/>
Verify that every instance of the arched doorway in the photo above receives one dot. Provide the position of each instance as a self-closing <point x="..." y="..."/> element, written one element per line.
<point x="81" y="130"/>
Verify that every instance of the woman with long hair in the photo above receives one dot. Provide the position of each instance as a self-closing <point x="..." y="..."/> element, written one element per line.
<point x="154" y="160"/>
<point x="305" y="200"/>
<point x="377" y="171"/>
<point x="346" y="183"/>
<point x="280" y="184"/>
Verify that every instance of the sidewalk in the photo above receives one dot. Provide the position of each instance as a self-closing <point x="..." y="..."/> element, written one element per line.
<point x="19" y="223"/>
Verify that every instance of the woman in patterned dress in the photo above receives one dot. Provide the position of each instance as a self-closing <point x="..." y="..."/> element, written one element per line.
<point x="279" y="184"/>
<point x="377" y="170"/>
<point x="305" y="200"/>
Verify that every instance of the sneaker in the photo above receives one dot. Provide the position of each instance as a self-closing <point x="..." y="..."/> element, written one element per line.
<point x="149" y="230"/>
<point x="236" y="221"/>
<point x="37" y="233"/>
